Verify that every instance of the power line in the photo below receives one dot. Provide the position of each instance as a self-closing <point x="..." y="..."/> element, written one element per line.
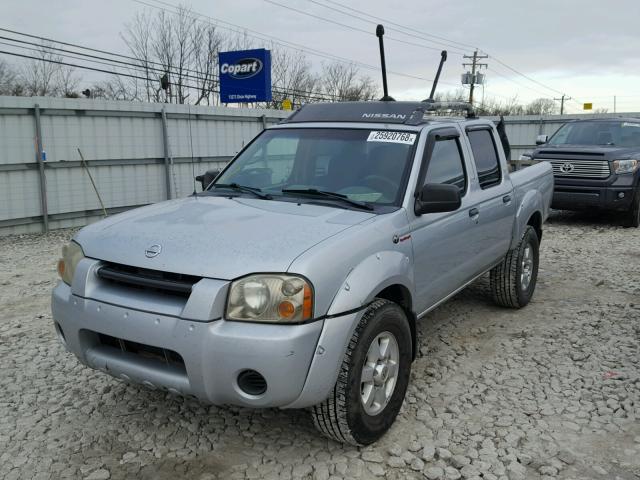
<point x="497" y="72"/>
<point x="283" y="43"/>
<point x="140" y="66"/>
<point x="278" y="90"/>
<point x="387" y="21"/>
<point x="59" y="62"/>
<point x="350" y="27"/>
<point x="409" y="43"/>
<point x="421" y="36"/>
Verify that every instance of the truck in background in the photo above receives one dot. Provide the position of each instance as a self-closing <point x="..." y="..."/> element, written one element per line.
<point x="596" y="165"/>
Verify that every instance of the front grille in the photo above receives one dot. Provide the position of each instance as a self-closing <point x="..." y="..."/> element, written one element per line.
<point x="580" y="168"/>
<point x="156" y="354"/>
<point x="142" y="278"/>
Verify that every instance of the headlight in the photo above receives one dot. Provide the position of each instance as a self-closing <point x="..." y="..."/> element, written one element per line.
<point x="71" y="255"/>
<point x="625" y="166"/>
<point x="268" y="297"/>
<point x="525" y="156"/>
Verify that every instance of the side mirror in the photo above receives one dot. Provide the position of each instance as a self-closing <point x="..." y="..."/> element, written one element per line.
<point x="541" y="139"/>
<point x="437" y="197"/>
<point x="208" y="177"/>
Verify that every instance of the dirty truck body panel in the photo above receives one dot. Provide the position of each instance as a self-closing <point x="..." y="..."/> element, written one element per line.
<point x="150" y="300"/>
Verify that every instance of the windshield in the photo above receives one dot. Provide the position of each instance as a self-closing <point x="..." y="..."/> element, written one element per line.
<point x="620" y="134"/>
<point x="362" y="165"/>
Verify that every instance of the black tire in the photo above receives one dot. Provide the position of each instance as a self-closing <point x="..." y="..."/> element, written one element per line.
<point x="506" y="280"/>
<point x="342" y="415"/>
<point x="633" y="215"/>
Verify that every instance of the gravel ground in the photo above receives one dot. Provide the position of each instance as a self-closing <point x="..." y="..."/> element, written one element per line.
<point x="551" y="391"/>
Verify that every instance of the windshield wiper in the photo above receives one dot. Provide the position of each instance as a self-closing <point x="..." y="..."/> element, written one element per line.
<point x="243" y="188"/>
<point x="332" y="195"/>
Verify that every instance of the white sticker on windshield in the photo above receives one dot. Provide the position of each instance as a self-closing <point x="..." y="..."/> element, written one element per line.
<point x="392" y="137"/>
<point x="627" y="124"/>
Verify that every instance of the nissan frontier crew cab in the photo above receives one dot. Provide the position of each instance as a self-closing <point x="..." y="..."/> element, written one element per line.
<point x="596" y="164"/>
<point x="296" y="278"/>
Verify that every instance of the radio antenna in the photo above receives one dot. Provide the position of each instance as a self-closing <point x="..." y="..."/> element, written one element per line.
<point x="443" y="58"/>
<point x="380" y="34"/>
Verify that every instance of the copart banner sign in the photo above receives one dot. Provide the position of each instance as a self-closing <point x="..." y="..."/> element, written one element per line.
<point x="245" y="76"/>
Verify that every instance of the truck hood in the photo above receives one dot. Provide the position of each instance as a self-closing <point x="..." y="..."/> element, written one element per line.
<point x="608" y="152"/>
<point x="215" y="237"/>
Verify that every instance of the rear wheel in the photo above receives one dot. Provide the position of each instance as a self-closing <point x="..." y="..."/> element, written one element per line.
<point x="633" y="215"/>
<point x="514" y="280"/>
<point x="373" y="378"/>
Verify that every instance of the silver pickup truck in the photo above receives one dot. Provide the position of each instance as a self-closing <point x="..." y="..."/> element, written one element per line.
<point x="296" y="278"/>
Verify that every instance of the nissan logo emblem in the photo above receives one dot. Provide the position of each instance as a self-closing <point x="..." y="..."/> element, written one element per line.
<point x="153" y="251"/>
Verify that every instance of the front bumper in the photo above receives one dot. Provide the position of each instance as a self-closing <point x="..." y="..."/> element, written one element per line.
<point x="214" y="353"/>
<point x="616" y="193"/>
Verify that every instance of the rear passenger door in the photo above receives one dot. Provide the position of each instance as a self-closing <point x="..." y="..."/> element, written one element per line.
<point x="442" y="242"/>
<point x="495" y="206"/>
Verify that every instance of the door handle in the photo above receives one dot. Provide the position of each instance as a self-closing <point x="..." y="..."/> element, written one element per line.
<point x="506" y="199"/>
<point x="474" y="212"/>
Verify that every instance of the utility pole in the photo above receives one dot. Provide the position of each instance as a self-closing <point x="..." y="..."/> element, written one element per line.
<point x="614" y="104"/>
<point x="475" y="66"/>
<point x="561" y="100"/>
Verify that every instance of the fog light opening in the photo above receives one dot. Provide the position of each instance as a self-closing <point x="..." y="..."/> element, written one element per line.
<point x="60" y="333"/>
<point x="252" y="383"/>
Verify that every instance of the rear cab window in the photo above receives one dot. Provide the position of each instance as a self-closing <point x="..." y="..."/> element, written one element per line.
<point x="485" y="157"/>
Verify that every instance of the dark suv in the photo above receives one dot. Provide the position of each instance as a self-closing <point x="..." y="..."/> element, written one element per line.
<point x="596" y="164"/>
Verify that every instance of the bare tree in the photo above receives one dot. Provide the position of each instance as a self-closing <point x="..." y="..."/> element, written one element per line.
<point x="342" y="82"/>
<point x="292" y="78"/>
<point x="137" y="37"/>
<point x="39" y="76"/>
<point x="67" y="81"/>
<point x="9" y="81"/>
<point x="542" y="106"/>
<point x="118" y="88"/>
<point x="206" y="42"/>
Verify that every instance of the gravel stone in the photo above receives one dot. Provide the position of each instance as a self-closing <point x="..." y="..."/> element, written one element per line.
<point x="372" y="456"/>
<point x="434" y="473"/>
<point x="451" y="473"/>
<point x="100" y="474"/>
<point x="504" y="392"/>
<point x="459" y="461"/>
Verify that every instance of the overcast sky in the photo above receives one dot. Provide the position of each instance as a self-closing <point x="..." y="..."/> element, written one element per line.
<point x="588" y="49"/>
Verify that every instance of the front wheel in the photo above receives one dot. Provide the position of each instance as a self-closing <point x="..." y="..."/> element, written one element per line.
<point x="513" y="281"/>
<point x="373" y="378"/>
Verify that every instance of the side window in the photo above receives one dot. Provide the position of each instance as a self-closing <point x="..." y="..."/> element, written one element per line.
<point x="485" y="156"/>
<point x="446" y="165"/>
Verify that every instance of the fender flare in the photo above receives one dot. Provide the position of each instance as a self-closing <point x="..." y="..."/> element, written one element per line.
<point x="372" y="275"/>
<point x="359" y="288"/>
<point x="531" y="203"/>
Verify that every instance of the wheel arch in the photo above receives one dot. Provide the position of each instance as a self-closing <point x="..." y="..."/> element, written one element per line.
<point x="535" y="221"/>
<point x="401" y="295"/>
<point x="529" y="213"/>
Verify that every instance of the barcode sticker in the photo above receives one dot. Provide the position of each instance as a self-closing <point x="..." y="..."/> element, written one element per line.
<point x="392" y="137"/>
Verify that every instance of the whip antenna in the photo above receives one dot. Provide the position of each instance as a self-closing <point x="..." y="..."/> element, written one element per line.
<point x="383" y="64"/>
<point x="443" y="58"/>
